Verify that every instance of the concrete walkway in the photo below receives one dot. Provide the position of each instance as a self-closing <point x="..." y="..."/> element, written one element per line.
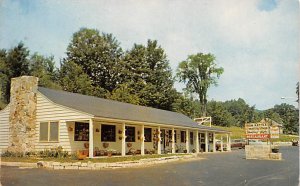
<point x="98" y="166"/>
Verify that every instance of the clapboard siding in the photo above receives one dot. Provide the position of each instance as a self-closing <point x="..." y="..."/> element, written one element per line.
<point x="49" y="111"/>
<point x="4" y="128"/>
<point x="46" y="110"/>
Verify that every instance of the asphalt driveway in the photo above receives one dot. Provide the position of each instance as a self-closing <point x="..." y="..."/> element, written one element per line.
<point x="228" y="169"/>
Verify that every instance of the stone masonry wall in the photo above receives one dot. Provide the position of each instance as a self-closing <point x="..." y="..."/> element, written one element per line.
<point x="22" y="117"/>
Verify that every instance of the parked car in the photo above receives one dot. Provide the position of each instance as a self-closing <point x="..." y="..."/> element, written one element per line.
<point x="238" y="143"/>
<point x="295" y="143"/>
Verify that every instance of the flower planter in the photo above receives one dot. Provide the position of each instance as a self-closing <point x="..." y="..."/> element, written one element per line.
<point x="105" y="145"/>
<point x="275" y="150"/>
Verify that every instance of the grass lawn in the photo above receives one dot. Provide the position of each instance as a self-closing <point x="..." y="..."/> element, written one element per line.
<point x="238" y="133"/>
<point x="104" y="159"/>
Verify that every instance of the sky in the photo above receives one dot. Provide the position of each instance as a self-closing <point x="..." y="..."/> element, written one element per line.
<point x="255" y="41"/>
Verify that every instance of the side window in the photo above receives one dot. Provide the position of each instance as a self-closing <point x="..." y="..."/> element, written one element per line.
<point x="53" y="131"/>
<point x="49" y="131"/>
<point x="44" y="131"/>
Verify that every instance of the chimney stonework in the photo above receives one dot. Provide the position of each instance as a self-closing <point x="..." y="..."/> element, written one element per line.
<point x="22" y="118"/>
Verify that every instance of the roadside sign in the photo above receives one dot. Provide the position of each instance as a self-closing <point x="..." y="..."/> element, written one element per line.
<point x="257" y="136"/>
<point x="261" y="130"/>
<point x="274" y="131"/>
<point x="257" y="130"/>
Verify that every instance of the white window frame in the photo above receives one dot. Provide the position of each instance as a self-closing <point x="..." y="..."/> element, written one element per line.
<point x="49" y="122"/>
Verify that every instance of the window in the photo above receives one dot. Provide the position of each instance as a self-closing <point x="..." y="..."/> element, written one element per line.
<point x="81" y="131"/>
<point x="175" y="137"/>
<point x="148" y="134"/>
<point x="130" y="134"/>
<point x="53" y="131"/>
<point x="191" y="138"/>
<point x="49" y="131"/>
<point x="44" y="131"/>
<point x="182" y="136"/>
<point x="108" y="133"/>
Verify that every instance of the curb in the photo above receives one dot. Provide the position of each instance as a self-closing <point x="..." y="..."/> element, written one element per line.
<point x="100" y="166"/>
<point x="19" y="164"/>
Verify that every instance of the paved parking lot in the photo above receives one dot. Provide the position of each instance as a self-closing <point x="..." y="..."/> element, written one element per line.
<point x="228" y="169"/>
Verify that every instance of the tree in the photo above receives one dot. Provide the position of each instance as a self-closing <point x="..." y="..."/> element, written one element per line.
<point x="242" y="112"/>
<point x="290" y="117"/>
<point x="186" y="105"/>
<point x="4" y="80"/>
<point x="270" y="113"/>
<point x="44" y="68"/>
<point x="146" y="70"/>
<point x="199" y="72"/>
<point x="125" y="94"/>
<point x="220" y="116"/>
<point x="72" y="78"/>
<point x="16" y="64"/>
<point x="97" y="55"/>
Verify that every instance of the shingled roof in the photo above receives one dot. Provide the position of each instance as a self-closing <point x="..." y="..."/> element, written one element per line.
<point x="106" y="108"/>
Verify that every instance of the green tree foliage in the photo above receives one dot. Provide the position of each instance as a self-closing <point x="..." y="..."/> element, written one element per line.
<point x="199" y="72"/>
<point x="186" y="105"/>
<point x="146" y="70"/>
<point x="220" y="115"/>
<point x="289" y="115"/>
<point x="4" y="80"/>
<point x="98" y="55"/>
<point x="44" y="68"/>
<point x="125" y="94"/>
<point x="242" y="112"/>
<point x="16" y="63"/>
<point x="72" y="78"/>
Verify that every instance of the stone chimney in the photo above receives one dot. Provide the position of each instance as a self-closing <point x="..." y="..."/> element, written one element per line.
<point x="22" y="114"/>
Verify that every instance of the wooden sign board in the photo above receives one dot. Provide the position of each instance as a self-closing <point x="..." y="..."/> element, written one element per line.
<point x="257" y="130"/>
<point x="261" y="130"/>
<point x="274" y="131"/>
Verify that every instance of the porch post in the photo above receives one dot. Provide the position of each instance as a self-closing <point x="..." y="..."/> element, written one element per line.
<point x="187" y="141"/>
<point x="228" y="142"/>
<point x="123" y="140"/>
<point x="142" y="140"/>
<point x="91" y="139"/>
<point x="173" y="141"/>
<point x="221" y="143"/>
<point x="197" y="141"/>
<point x="206" y="141"/>
<point x="158" y="143"/>
<point x="214" y="142"/>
